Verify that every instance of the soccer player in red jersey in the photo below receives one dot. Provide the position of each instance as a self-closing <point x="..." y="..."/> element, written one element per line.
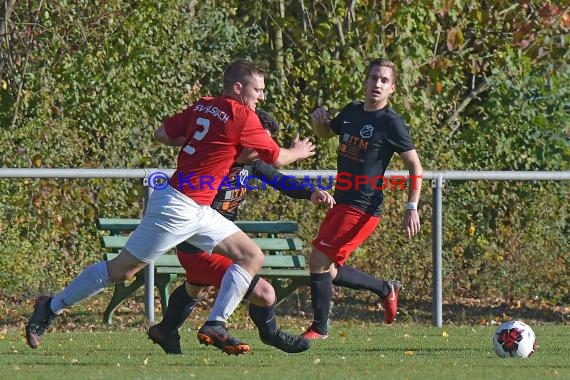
<point x="211" y="132"/>
<point x="369" y="134"/>
<point x="204" y="269"/>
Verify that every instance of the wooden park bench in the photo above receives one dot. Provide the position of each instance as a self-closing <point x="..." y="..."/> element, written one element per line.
<point x="284" y="265"/>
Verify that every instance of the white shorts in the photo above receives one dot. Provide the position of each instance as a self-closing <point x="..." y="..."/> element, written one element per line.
<point x="171" y="218"/>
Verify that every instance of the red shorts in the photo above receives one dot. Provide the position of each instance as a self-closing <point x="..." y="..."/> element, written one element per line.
<point x="342" y="231"/>
<point x="204" y="268"/>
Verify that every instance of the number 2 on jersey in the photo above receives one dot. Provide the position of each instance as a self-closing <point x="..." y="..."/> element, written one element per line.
<point x="199" y="134"/>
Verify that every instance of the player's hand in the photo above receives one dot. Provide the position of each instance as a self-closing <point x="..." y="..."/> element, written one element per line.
<point x="411" y="223"/>
<point x="321" y="196"/>
<point x="320" y="116"/>
<point x="302" y="148"/>
<point x="247" y="156"/>
<point x="294" y="140"/>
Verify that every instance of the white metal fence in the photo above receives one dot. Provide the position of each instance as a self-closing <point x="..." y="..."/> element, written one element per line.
<point x="437" y="180"/>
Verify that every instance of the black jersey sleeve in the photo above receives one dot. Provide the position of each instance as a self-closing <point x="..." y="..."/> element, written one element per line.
<point x="285" y="184"/>
<point x="399" y="135"/>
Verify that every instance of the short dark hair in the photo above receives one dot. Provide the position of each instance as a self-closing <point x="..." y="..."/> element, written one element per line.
<point x="382" y="62"/>
<point x="267" y="121"/>
<point x="240" y="70"/>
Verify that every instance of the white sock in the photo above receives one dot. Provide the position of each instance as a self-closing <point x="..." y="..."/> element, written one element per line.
<point x="235" y="283"/>
<point x="89" y="282"/>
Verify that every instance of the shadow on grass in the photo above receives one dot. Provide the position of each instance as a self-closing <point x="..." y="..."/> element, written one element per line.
<point x="351" y="305"/>
<point x="348" y="306"/>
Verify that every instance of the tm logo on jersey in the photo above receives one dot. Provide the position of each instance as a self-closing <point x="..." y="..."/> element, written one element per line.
<point x="354" y="141"/>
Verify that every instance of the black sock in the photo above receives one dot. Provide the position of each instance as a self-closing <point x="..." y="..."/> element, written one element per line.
<point x="353" y="278"/>
<point x="215" y="323"/>
<point x="48" y="308"/>
<point x="321" y="295"/>
<point x="264" y="319"/>
<point x="180" y="305"/>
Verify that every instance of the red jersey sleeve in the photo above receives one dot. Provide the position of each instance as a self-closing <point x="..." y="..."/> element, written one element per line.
<point x="177" y="125"/>
<point x="254" y="136"/>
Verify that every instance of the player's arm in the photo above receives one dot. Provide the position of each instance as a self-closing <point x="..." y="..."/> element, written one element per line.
<point x="291" y="186"/>
<point x="411" y="222"/>
<point x="299" y="149"/>
<point x="285" y="184"/>
<point x="322" y="123"/>
<point x="161" y="135"/>
<point x="255" y="137"/>
<point x="174" y="129"/>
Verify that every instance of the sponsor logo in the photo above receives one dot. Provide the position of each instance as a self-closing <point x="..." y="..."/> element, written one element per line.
<point x="366" y="131"/>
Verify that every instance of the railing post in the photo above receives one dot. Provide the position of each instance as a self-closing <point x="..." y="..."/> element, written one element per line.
<point x="148" y="270"/>
<point x="437" y="297"/>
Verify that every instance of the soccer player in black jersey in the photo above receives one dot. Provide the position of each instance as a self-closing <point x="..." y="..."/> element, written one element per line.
<point x="369" y="134"/>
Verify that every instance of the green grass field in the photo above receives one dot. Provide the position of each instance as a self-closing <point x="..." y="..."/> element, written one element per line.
<point x="352" y="352"/>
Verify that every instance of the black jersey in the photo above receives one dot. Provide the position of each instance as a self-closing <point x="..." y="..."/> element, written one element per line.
<point x="367" y="142"/>
<point x="232" y="192"/>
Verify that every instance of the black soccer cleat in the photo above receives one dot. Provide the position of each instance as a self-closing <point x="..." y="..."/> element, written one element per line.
<point x="287" y="342"/>
<point x="170" y="343"/>
<point x="39" y="322"/>
<point x="218" y="336"/>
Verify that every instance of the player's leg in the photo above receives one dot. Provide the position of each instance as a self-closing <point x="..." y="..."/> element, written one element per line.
<point x="180" y="305"/>
<point x="157" y="233"/>
<point x="202" y="271"/>
<point x="321" y="294"/>
<point x="353" y="278"/>
<point x="220" y="235"/>
<point x="341" y="232"/>
<point x="262" y="312"/>
<point x="388" y="290"/>
<point x="235" y="282"/>
<point x="91" y="281"/>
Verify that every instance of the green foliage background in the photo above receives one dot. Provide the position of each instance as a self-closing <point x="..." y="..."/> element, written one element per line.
<point x="85" y="84"/>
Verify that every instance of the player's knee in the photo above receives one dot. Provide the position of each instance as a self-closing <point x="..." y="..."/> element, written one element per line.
<point x="196" y="291"/>
<point x="263" y="294"/>
<point x="124" y="267"/>
<point x="121" y="275"/>
<point x="251" y="259"/>
<point x="319" y="262"/>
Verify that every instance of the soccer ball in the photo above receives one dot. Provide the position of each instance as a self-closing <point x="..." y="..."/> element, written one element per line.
<point x="514" y="339"/>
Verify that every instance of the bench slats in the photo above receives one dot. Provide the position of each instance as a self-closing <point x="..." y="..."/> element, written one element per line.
<point x="283" y="259"/>
<point x="170" y="263"/>
<point x="266" y="244"/>
<point x="248" y="226"/>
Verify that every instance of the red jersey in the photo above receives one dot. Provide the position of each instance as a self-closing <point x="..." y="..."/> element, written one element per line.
<point x="216" y="129"/>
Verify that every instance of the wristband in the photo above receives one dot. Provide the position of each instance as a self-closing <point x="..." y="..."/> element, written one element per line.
<point x="412" y="206"/>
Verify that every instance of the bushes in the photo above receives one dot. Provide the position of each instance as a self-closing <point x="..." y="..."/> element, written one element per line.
<point x="484" y="92"/>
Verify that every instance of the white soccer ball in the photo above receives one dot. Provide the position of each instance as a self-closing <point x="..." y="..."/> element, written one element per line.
<point x="514" y="339"/>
